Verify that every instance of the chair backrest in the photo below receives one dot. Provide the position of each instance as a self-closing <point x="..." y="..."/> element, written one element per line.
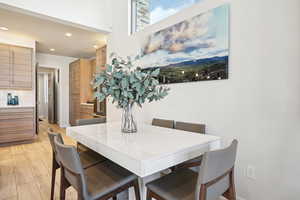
<point x="81" y="122"/>
<point x="163" y="123"/>
<point x="191" y="127"/>
<point x="215" y="170"/>
<point x="72" y="166"/>
<point x="52" y="136"/>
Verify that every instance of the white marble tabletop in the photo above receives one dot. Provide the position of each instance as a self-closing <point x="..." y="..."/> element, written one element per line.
<point x="150" y="150"/>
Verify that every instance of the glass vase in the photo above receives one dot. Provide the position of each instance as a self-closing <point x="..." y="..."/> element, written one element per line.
<point x="128" y="123"/>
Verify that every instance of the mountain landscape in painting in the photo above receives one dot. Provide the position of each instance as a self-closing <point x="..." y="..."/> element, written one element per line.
<point x="192" y="50"/>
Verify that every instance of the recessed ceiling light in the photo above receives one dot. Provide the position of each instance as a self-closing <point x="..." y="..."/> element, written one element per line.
<point x="68" y="34"/>
<point x="3" y="28"/>
<point x="52" y="49"/>
<point x="95" y="46"/>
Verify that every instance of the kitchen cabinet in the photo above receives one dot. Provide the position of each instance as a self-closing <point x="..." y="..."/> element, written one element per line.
<point x="16" y="67"/>
<point x="17" y="124"/>
<point x="80" y="87"/>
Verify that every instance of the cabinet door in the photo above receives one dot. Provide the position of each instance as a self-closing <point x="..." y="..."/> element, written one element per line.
<point x="74" y="87"/>
<point x="4" y="66"/>
<point x="74" y="108"/>
<point x="75" y="77"/>
<point x="16" y="124"/>
<point x="22" y="70"/>
<point x="100" y="59"/>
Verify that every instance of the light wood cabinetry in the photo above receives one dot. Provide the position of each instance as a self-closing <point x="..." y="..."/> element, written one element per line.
<point x="86" y="111"/>
<point x="16" y="68"/>
<point x="16" y="124"/>
<point x="4" y="66"/>
<point x="80" y="87"/>
<point x="81" y="92"/>
<point x="101" y="58"/>
<point x="101" y="66"/>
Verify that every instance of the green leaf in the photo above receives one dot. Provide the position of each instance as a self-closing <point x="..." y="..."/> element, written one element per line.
<point x="118" y="75"/>
<point x="124" y="83"/>
<point x="155" y="72"/>
<point x="136" y="85"/>
<point x="155" y="82"/>
<point x="138" y="75"/>
<point x="98" y="81"/>
<point x="109" y="68"/>
<point x="132" y="78"/>
<point x="130" y="95"/>
<point x="146" y="83"/>
<point x="104" y="90"/>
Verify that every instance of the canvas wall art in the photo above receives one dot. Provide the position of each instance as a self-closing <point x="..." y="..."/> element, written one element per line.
<point x="193" y="50"/>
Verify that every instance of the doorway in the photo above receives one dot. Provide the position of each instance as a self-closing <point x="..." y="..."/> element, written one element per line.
<point x="47" y="93"/>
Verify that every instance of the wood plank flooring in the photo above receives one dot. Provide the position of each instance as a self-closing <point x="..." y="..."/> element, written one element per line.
<point x="25" y="169"/>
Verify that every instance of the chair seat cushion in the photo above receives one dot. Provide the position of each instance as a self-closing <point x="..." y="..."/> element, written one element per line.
<point x="89" y="158"/>
<point x="105" y="178"/>
<point x="179" y="185"/>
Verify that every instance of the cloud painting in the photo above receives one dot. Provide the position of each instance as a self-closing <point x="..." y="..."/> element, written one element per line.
<point x="195" y="49"/>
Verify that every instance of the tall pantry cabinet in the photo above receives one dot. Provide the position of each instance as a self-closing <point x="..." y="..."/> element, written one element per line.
<point x="80" y="87"/>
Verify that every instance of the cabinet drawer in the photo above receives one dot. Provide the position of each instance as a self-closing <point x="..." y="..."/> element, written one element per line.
<point x="86" y="109"/>
<point x="16" y="110"/>
<point x="16" y="124"/>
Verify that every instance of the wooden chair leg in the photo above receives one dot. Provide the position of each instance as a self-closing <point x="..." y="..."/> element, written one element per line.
<point x="230" y="193"/>
<point x="52" y="182"/>
<point x="137" y="190"/>
<point x="55" y="166"/>
<point x="149" y="196"/>
<point x="63" y="184"/>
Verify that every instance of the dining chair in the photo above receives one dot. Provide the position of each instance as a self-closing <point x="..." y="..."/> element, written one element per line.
<point x="82" y="122"/>
<point x="88" y="158"/>
<point x="163" y="123"/>
<point x="190" y="127"/>
<point x="100" y="182"/>
<point x="214" y="179"/>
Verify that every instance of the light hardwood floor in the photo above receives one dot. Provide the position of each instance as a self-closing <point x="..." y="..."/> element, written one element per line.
<point x="25" y="170"/>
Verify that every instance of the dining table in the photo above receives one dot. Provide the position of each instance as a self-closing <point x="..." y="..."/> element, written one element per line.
<point x="147" y="152"/>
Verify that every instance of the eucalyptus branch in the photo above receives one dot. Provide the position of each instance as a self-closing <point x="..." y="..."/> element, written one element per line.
<point x="127" y="84"/>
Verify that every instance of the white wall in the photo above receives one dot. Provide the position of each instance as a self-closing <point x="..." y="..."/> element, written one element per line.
<point x="260" y="102"/>
<point x="91" y="13"/>
<point x="61" y="63"/>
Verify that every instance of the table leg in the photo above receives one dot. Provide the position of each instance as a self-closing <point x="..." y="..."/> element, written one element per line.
<point x="142" y="182"/>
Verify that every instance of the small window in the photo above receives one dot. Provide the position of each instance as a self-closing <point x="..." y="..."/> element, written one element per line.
<point x="145" y="12"/>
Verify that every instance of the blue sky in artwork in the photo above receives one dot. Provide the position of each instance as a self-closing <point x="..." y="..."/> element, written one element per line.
<point x="161" y="9"/>
<point x="171" y="3"/>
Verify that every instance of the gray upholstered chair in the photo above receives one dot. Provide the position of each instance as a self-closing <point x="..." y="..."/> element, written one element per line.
<point x="163" y="123"/>
<point x="81" y="122"/>
<point x="190" y="127"/>
<point x="215" y="178"/>
<point x="102" y="181"/>
<point x="88" y="158"/>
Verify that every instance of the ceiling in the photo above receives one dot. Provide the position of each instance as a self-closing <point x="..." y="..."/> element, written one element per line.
<point x="51" y="35"/>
